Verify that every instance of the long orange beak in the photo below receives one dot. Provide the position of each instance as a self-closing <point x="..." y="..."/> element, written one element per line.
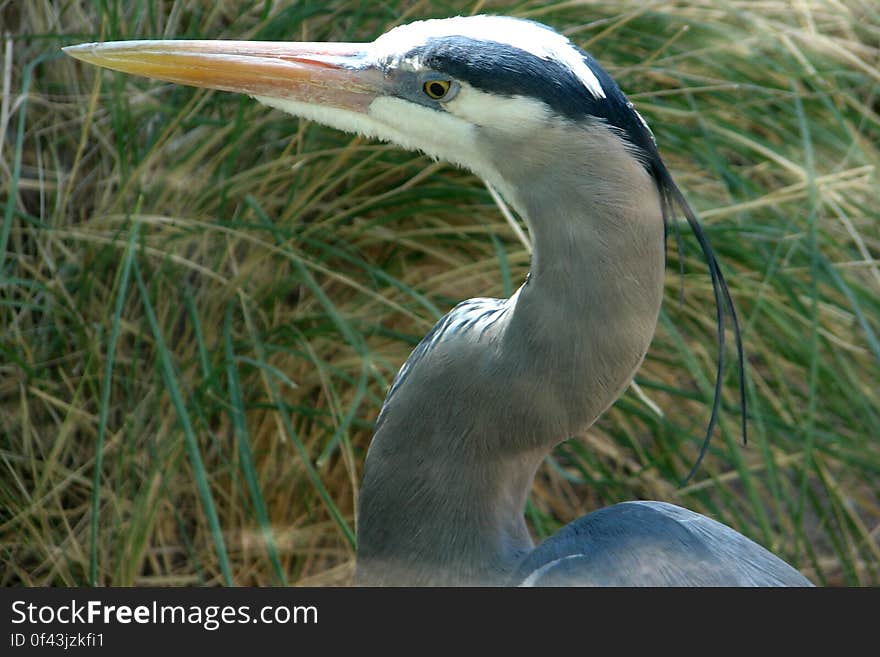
<point x="328" y="74"/>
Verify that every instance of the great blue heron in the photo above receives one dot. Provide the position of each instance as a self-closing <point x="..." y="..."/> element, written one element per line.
<point x="498" y="383"/>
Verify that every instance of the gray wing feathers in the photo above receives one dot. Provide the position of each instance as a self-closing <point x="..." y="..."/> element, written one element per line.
<point x="470" y="315"/>
<point x="652" y="544"/>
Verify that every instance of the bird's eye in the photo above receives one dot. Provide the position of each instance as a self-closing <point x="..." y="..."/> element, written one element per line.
<point x="437" y="89"/>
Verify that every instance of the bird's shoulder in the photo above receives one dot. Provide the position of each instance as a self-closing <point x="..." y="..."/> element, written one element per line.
<point x="652" y="544"/>
<point x="471" y="317"/>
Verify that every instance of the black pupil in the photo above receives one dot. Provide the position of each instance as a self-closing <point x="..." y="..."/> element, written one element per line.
<point x="437" y="89"/>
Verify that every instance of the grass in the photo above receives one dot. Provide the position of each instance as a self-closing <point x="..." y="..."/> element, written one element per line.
<point x="203" y="302"/>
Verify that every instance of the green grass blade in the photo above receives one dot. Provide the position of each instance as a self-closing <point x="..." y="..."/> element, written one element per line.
<point x="198" y="466"/>
<point x="236" y="410"/>
<point x="122" y="291"/>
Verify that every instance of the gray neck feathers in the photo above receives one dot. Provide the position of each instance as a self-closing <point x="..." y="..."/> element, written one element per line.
<point x="448" y="472"/>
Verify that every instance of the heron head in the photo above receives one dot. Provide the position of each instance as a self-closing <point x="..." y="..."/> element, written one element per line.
<point x="442" y="86"/>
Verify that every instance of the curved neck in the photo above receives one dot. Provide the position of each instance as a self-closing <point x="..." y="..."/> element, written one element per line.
<point x="450" y="467"/>
<point x="588" y="312"/>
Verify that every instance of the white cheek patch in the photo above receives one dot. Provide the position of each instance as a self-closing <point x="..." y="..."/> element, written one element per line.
<point x="414" y="127"/>
<point x="524" y="35"/>
<point x="514" y="115"/>
<point x="345" y="120"/>
<point x="390" y="119"/>
<point x="439" y="134"/>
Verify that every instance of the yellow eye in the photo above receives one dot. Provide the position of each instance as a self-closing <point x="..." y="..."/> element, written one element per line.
<point x="436" y="89"/>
